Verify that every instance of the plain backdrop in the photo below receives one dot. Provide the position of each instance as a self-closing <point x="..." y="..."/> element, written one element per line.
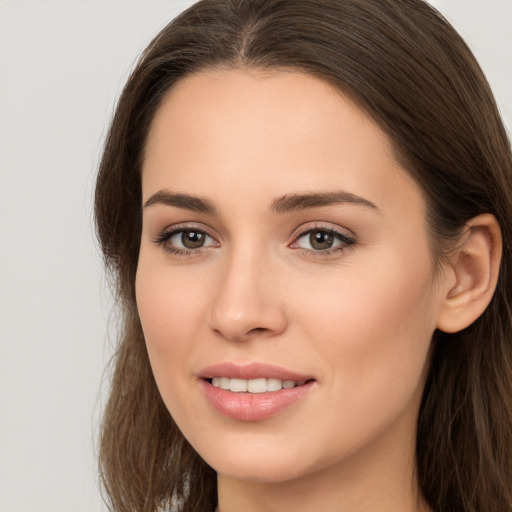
<point x="62" y="66"/>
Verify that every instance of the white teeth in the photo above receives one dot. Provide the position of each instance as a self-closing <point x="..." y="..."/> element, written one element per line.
<point x="257" y="385"/>
<point x="238" y="385"/>
<point x="261" y="385"/>
<point x="274" y="384"/>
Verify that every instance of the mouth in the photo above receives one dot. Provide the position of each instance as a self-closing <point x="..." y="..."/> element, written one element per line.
<point x="254" y="391"/>
<point x="255" y="386"/>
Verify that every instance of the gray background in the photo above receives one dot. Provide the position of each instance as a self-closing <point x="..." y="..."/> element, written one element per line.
<point x="62" y="65"/>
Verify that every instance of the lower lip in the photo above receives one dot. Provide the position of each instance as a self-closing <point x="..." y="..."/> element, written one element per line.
<point x="253" y="406"/>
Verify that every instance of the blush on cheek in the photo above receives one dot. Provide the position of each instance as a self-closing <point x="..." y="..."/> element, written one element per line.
<point x="171" y="310"/>
<point x="372" y="324"/>
<point x="151" y="305"/>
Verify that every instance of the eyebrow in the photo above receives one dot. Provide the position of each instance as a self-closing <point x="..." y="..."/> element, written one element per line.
<point x="294" y="202"/>
<point x="285" y="204"/>
<point x="184" y="201"/>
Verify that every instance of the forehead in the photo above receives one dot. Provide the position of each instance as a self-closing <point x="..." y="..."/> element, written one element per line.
<point x="268" y="131"/>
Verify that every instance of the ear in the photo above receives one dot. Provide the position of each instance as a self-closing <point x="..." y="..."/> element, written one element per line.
<point x="473" y="274"/>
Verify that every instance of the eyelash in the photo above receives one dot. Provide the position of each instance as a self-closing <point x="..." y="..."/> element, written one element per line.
<point x="163" y="238"/>
<point x="346" y="241"/>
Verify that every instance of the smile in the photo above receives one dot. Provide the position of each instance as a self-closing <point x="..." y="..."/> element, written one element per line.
<point x="260" y="385"/>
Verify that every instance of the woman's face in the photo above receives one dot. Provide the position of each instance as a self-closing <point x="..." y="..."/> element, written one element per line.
<point x="285" y="250"/>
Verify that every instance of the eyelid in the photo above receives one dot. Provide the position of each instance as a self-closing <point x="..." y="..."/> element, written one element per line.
<point x="187" y="226"/>
<point x="347" y="237"/>
<point x="324" y="226"/>
<point x="164" y="235"/>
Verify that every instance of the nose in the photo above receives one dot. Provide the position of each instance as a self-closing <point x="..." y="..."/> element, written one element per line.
<point x="247" y="301"/>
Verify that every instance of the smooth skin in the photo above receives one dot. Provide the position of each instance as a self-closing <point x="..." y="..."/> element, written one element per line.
<point x="355" y="304"/>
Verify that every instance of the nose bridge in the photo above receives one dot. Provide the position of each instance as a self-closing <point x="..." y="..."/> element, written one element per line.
<point x="246" y="301"/>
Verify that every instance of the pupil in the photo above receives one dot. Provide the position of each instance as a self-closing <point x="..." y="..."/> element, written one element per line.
<point x="321" y="240"/>
<point x="192" y="239"/>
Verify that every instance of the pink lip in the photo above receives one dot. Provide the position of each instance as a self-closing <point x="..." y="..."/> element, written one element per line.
<point x="252" y="406"/>
<point x="251" y="371"/>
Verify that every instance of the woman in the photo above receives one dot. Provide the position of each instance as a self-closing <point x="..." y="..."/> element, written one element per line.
<point x="306" y="206"/>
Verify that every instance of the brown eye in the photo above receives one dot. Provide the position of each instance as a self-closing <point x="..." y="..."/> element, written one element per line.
<point x="193" y="239"/>
<point x="181" y="241"/>
<point x="321" y="240"/>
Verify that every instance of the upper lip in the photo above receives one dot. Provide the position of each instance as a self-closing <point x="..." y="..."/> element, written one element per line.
<point x="251" y="371"/>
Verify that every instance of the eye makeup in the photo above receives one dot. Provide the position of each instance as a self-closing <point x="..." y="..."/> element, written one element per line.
<point x="322" y="240"/>
<point x="313" y="239"/>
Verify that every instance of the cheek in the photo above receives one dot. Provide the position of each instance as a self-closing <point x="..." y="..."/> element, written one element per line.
<point x="371" y="336"/>
<point x="170" y="306"/>
<point x="170" y="310"/>
<point x="374" y="327"/>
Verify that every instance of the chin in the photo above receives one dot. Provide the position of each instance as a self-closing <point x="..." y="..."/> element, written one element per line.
<point x="268" y="472"/>
<point x="264" y="464"/>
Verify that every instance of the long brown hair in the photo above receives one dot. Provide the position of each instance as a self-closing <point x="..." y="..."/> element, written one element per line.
<point x="402" y="63"/>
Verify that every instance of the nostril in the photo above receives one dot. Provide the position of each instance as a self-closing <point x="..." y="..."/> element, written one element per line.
<point x="257" y="330"/>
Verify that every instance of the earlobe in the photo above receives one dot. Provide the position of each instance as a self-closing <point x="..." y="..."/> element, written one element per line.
<point x="474" y="274"/>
